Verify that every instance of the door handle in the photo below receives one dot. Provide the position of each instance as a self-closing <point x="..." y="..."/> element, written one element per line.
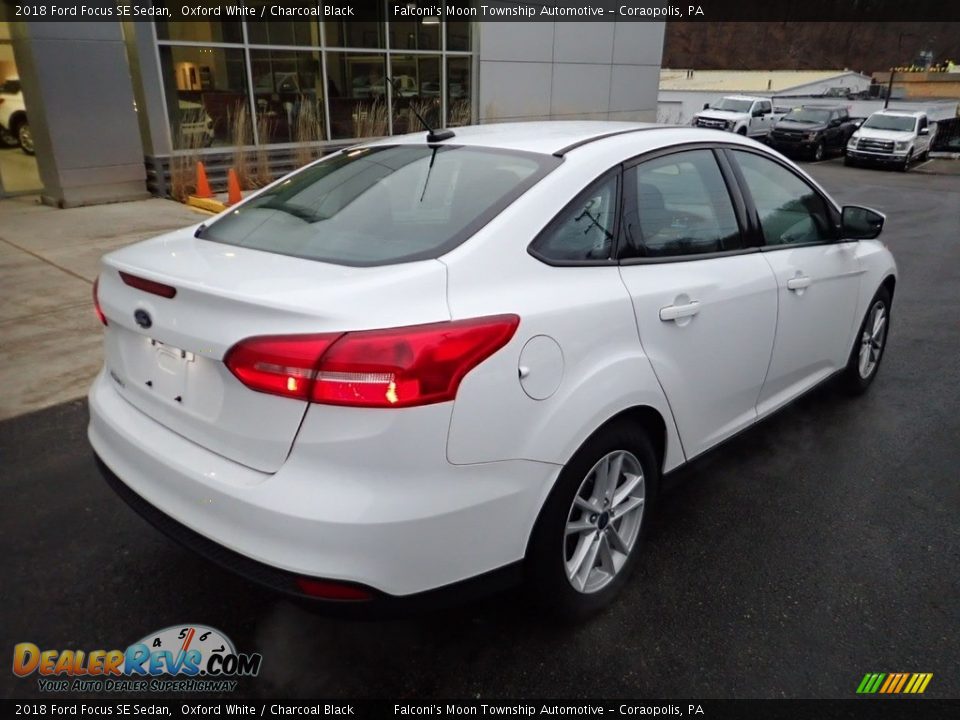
<point x="675" y="312"/>
<point x="799" y="282"/>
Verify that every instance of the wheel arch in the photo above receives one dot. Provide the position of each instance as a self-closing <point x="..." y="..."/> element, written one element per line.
<point x="890" y="283"/>
<point x="646" y="417"/>
<point x="16" y="118"/>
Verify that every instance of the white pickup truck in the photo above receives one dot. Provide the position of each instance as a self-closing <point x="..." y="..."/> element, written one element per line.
<point x="742" y="114"/>
<point x="14" y="128"/>
<point x="891" y="137"/>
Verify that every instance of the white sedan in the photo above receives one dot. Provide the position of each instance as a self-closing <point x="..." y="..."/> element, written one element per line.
<point x="416" y="366"/>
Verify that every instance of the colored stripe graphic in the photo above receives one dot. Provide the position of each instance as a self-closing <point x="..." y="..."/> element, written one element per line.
<point x="894" y="683"/>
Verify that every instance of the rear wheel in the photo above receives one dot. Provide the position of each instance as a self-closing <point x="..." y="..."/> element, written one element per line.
<point x="869" y="345"/>
<point x="584" y="545"/>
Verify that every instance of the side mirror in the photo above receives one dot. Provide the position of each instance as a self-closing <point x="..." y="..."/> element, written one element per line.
<point x="706" y="106"/>
<point x="860" y="223"/>
<point x="924" y="131"/>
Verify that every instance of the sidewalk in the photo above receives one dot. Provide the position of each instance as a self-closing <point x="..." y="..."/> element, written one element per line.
<point x="50" y="340"/>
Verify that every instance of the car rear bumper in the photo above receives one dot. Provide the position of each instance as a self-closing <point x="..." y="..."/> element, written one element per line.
<point x="397" y="528"/>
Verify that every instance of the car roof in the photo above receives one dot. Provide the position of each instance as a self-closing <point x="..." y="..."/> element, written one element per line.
<point x="547" y="137"/>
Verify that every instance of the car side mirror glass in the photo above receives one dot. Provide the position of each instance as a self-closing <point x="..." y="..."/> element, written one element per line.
<point x="706" y="106"/>
<point x="924" y="131"/>
<point x="860" y="223"/>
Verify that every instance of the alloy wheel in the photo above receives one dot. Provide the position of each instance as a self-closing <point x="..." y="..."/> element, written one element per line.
<point x="603" y="523"/>
<point x="872" y="340"/>
<point x="25" y="137"/>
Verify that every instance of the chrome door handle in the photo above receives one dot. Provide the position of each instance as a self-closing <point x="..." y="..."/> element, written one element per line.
<point x="799" y="282"/>
<point x="675" y="312"/>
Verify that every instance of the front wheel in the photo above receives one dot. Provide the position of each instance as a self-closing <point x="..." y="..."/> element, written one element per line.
<point x="869" y="345"/>
<point x="818" y="152"/>
<point x="585" y="542"/>
<point x="25" y="137"/>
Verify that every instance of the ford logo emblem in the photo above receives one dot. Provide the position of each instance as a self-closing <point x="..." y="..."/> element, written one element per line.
<point x="143" y="318"/>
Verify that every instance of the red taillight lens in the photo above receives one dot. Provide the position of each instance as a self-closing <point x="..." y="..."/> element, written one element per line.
<point x="282" y="365"/>
<point x="329" y="590"/>
<point x="96" y="301"/>
<point x="400" y="367"/>
<point x="150" y="286"/>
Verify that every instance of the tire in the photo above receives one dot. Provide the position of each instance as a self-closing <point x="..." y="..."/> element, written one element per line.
<point x="858" y="375"/>
<point x="8" y="139"/>
<point x="849" y="161"/>
<point x="818" y="152"/>
<point x="742" y="131"/>
<point x="25" y="137"/>
<point x="576" y="499"/>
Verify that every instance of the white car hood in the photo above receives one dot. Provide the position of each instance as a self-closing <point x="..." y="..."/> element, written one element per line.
<point x="721" y="114"/>
<point x="877" y="134"/>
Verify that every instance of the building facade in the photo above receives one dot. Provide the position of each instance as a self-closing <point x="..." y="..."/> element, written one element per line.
<point x="113" y="105"/>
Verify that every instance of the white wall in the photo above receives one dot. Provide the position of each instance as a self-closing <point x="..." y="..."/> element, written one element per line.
<point x="568" y="70"/>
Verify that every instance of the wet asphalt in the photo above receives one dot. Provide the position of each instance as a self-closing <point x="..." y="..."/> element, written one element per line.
<point x="816" y="547"/>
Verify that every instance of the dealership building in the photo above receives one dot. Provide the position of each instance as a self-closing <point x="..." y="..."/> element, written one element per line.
<point x="114" y="106"/>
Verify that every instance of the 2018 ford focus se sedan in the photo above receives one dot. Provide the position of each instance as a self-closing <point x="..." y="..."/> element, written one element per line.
<point x="414" y="363"/>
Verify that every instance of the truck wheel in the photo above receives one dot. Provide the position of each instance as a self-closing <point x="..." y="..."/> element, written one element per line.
<point x="742" y="131"/>
<point x="849" y="161"/>
<point x="818" y="152"/>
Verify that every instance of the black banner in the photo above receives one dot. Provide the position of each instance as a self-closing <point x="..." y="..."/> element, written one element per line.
<point x="482" y="10"/>
<point x="893" y="708"/>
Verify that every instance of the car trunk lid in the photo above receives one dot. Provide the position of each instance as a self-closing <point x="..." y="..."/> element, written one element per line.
<point x="165" y="354"/>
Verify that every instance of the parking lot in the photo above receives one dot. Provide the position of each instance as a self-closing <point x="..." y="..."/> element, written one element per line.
<point x="817" y="547"/>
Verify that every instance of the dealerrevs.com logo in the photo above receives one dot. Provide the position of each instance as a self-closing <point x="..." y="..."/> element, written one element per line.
<point x="180" y="658"/>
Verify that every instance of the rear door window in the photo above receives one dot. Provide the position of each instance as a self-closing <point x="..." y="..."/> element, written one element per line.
<point x="384" y="204"/>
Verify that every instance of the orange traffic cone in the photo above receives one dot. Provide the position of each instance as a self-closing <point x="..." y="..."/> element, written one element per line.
<point x="233" y="188"/>
<point x="203" y="187"/>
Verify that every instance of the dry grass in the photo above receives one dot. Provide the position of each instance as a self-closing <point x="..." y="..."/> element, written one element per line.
<point x="460" y="114"/>
<point x="183" y="164"/>
<point x="262" y="175"/>
<point x="307" y="131"/>
<point x="241" y="135"/>
<point x="429" y="110"/>
<point x="370" y="119"/>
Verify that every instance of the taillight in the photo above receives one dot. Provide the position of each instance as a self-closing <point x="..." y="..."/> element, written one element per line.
<point x="280" y="364"/>
<point x="96" y="301"/>
<point x="399" y="367"/>
<point x="150" y="286"/>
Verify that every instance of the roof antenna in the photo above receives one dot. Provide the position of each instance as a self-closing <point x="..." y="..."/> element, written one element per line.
<point x="432" y="135"/>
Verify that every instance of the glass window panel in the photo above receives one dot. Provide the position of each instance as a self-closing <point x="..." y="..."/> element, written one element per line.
<point x="357" y="33"/>
<point x="205" y="89"/>
<point x="680" y="206"/>
<point x="584" y="229"/>
<point x="459" y="86"/>
<point x="791" y="212"/>
<point x="421" y="34"/>
<point x="416" y="87"/>
<point x="458" y="35"/>
<point x="356" y="93"/>
<point x="226" y="31"/>
<point x="288" y="96"/>
<point x="282" y="32"/>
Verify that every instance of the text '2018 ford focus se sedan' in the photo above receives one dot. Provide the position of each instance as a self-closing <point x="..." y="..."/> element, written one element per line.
<point x="413" y="362"/>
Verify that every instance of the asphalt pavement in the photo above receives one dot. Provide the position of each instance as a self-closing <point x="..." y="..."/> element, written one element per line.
<point x="817" y="547"/>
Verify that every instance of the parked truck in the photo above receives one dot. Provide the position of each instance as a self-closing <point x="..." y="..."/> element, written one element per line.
<point x="891" y="137"/>
<point x="813" y="131"/>
<point x="742" y="114"/>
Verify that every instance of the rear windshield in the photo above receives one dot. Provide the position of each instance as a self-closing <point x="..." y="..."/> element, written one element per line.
<point x="384" y="204"/>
